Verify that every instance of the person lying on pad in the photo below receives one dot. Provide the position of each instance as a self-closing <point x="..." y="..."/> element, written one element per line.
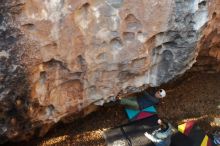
<point x="143" y="101"/>
<point x="161" y="136"/>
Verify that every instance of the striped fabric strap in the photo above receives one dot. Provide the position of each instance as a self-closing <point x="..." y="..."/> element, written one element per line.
<point x="126" y="136"/>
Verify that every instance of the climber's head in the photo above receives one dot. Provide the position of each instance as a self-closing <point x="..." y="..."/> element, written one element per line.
<point x="163" y="124"/>
<point x="160" y="93"/>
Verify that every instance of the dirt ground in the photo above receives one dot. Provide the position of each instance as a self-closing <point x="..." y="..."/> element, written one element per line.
<point x="193" y="96"/>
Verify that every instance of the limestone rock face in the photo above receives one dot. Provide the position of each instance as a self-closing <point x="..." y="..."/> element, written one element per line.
<point x="60" y="57"/>
<point x="209" y="44"/>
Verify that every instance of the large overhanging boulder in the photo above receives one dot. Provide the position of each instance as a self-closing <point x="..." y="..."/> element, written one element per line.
<point x="58" y="57"/>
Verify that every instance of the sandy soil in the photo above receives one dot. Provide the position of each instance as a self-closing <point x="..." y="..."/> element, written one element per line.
<point x="193" y="96"/>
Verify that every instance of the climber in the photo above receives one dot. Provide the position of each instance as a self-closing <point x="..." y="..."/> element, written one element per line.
<point x="161" y="136"/>
<point x="143" y="101"/>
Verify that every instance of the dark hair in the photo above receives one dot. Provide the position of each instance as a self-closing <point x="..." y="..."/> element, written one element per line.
<point x="164" y="125"/>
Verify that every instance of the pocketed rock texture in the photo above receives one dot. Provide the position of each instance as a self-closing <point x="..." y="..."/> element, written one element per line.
<point x="62" y="57"/>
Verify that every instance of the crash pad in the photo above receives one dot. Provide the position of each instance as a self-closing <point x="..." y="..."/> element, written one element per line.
<point x="196" y="134"/>
<point x="134" y="114"/>
<point x="132" y="133"/>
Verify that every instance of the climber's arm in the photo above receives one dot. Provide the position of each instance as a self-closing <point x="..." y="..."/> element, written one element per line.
<point x="152" y="138"/>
